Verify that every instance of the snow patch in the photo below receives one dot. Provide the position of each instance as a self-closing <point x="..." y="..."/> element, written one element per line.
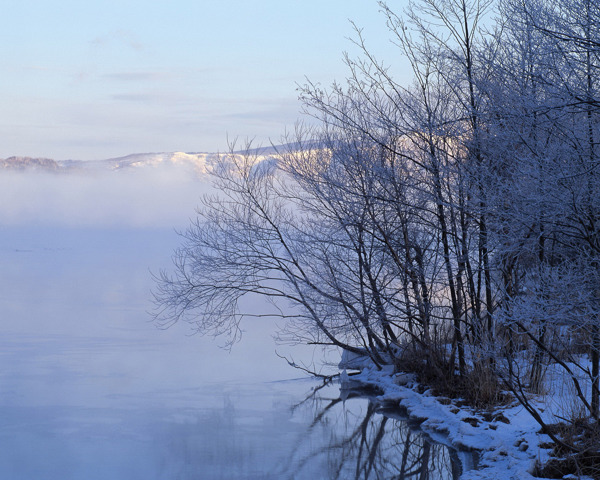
<point x="507" y="450"/>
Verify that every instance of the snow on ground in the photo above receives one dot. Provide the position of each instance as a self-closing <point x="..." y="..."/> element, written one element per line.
<point x="508" y="450"/>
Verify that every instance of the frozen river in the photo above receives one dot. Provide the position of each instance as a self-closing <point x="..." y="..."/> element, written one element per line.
<point x="90" y="389"/>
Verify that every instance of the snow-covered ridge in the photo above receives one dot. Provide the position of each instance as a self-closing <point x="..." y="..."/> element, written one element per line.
<point x="199" y="164"/>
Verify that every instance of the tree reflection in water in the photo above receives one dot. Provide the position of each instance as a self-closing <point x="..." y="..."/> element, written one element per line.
<point x="368" y="440"/>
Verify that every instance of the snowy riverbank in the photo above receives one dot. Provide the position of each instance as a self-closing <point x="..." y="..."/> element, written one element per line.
<point x="507" y="439"/>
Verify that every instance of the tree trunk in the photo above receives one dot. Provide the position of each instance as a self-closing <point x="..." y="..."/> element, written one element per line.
<point x="595" y="371"/>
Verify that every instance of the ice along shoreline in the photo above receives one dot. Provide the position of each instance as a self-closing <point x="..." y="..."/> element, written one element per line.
<point x="507" y="440"/>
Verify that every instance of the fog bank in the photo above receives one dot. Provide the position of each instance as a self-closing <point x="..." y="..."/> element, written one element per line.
<point x="144" y="197"/>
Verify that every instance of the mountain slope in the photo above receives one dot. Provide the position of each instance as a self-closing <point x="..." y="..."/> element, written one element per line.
<point x="198" y="163"/>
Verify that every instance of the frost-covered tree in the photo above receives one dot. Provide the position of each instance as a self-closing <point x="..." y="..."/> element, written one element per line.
<point x="544" y="99"/>
<point x="451" y="225"/>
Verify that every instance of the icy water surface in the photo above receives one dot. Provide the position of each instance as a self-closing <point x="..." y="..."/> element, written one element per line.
<point x="90" y="389"/>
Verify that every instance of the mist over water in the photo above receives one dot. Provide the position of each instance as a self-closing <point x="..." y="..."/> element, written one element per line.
<point x="78" y="252"/>
<point x="89" y="387"/>
<point x="152" y="197"/>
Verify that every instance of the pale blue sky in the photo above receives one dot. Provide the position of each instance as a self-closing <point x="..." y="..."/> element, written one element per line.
<point x="92" y="79"/>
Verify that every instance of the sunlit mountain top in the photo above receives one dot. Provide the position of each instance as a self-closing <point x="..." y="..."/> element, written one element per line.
<point x="197" y="163"/>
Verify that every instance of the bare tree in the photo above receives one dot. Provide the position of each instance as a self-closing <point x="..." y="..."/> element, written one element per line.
<point x="451" y="225"/>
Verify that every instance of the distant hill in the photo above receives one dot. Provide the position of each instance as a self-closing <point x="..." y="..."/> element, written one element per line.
<point x="198" y="163"/>
<point x="28" y="163"/>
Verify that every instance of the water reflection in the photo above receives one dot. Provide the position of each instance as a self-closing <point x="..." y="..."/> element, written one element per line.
<point x="235" y="432"/>
<point x="90" y="390"/>
<point x="367" y="440"/>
